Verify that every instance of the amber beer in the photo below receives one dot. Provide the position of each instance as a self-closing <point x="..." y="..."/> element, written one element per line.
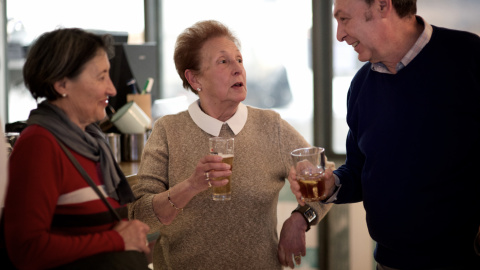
<point x="222" y="146"/>
<point x="309" y="164"/>
<point x="312" y="187"/>
<point x="223" y="193"/>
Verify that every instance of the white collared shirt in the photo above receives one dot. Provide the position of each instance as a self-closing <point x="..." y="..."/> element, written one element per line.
<point x="213" y="126"/>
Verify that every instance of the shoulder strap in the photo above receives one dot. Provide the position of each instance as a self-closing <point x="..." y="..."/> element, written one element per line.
<point x="88" y="179"/>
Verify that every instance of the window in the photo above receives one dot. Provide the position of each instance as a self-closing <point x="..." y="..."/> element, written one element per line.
<point x="27" y="19"/>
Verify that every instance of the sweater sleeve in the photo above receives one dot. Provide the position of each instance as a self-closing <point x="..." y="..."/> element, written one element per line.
<point x="35" y="184"/>
<point x="152" y="176"/>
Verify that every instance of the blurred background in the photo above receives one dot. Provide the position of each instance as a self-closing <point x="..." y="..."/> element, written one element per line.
<point x="294" y="66"/>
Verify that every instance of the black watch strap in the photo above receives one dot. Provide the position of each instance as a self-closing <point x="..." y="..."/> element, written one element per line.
<point x="307" y="213"/>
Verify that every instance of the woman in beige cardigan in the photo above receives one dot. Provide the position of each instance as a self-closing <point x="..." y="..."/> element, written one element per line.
<point x="173" y="194"/>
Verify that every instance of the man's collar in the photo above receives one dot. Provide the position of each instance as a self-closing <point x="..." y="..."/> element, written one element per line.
<point x="421" y="42"/>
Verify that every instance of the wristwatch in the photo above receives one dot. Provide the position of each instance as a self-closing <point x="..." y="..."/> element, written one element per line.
<point x="307" y="213"/>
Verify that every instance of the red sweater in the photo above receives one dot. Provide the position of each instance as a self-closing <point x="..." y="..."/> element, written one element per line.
<point x="52" y="216"/>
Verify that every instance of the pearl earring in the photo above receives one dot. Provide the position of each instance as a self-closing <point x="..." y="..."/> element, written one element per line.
<point x="199" y="89"/>
<point x="64" y="95"/>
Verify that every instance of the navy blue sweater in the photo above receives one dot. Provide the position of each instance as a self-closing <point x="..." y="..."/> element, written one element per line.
<point x="413" y="154"/>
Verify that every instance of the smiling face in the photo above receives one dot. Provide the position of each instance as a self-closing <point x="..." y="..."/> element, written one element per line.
<point x="87" y="94"/>
<point x="359" y="26"/>
<point x="222" y="76"/>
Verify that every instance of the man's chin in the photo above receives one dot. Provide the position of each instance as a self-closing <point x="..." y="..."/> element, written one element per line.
<point x="363" y="58"/>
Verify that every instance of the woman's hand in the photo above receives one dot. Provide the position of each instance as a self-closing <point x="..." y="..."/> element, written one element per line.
<point x="294" y="186"/>
<point x="208" y="168"/>
<point x="134" y="235"/>
<point x="328" y="177"/>
<point x="292" y="243"/>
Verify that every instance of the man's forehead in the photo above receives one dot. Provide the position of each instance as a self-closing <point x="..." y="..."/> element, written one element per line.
<point x="344" y="7"/>
<point x="338" y="9"/>
<point x="338" y="5"/>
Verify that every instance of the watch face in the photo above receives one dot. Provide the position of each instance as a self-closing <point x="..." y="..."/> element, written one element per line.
<point x="310" y="214"/>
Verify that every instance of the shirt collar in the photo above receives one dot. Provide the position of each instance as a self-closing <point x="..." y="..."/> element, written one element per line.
<point x="422" y="40"/>
<point x="213" y="126"/>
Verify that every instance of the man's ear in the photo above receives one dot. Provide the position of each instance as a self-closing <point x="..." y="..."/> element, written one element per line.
<point x="384" y="7"/>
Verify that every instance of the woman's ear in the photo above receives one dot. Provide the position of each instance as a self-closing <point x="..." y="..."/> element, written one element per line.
<point x="192" y="79"/>
<point x="61" y="86"/>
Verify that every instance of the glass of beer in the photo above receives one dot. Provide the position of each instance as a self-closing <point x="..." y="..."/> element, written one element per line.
<point x="309" y="164"/>
<point x="223" y="147"/>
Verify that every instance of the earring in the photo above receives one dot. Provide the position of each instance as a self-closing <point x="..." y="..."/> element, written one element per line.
<point x="64" y="95"/>
<point x="199" y="89"/>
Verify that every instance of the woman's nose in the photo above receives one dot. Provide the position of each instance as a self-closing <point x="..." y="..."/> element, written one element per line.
<point x="238" y="68"/>
<point x="111" y="90"/>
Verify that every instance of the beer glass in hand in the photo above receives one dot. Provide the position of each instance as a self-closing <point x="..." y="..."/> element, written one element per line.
<point x="309" y="164"/>
<point x="223" y="147"/>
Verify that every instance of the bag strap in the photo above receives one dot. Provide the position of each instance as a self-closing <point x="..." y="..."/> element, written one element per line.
<point x="88" y="179"/>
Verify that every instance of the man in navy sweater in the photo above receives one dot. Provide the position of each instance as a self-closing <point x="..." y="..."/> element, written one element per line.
<point x="413" y="146"/>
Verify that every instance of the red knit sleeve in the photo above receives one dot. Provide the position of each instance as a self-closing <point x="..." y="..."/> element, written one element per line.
<point x="35" y="171"/>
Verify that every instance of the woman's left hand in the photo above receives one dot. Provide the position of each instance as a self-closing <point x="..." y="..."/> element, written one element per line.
<point x="294" y="186"/>
<point x="328" y="178"/>
<point x="292" y="243"/>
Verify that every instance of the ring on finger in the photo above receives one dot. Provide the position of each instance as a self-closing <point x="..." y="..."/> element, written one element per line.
<point x="209" y="184"/>
<point x="207" y="176"/>
<point x="297" y="258"/>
